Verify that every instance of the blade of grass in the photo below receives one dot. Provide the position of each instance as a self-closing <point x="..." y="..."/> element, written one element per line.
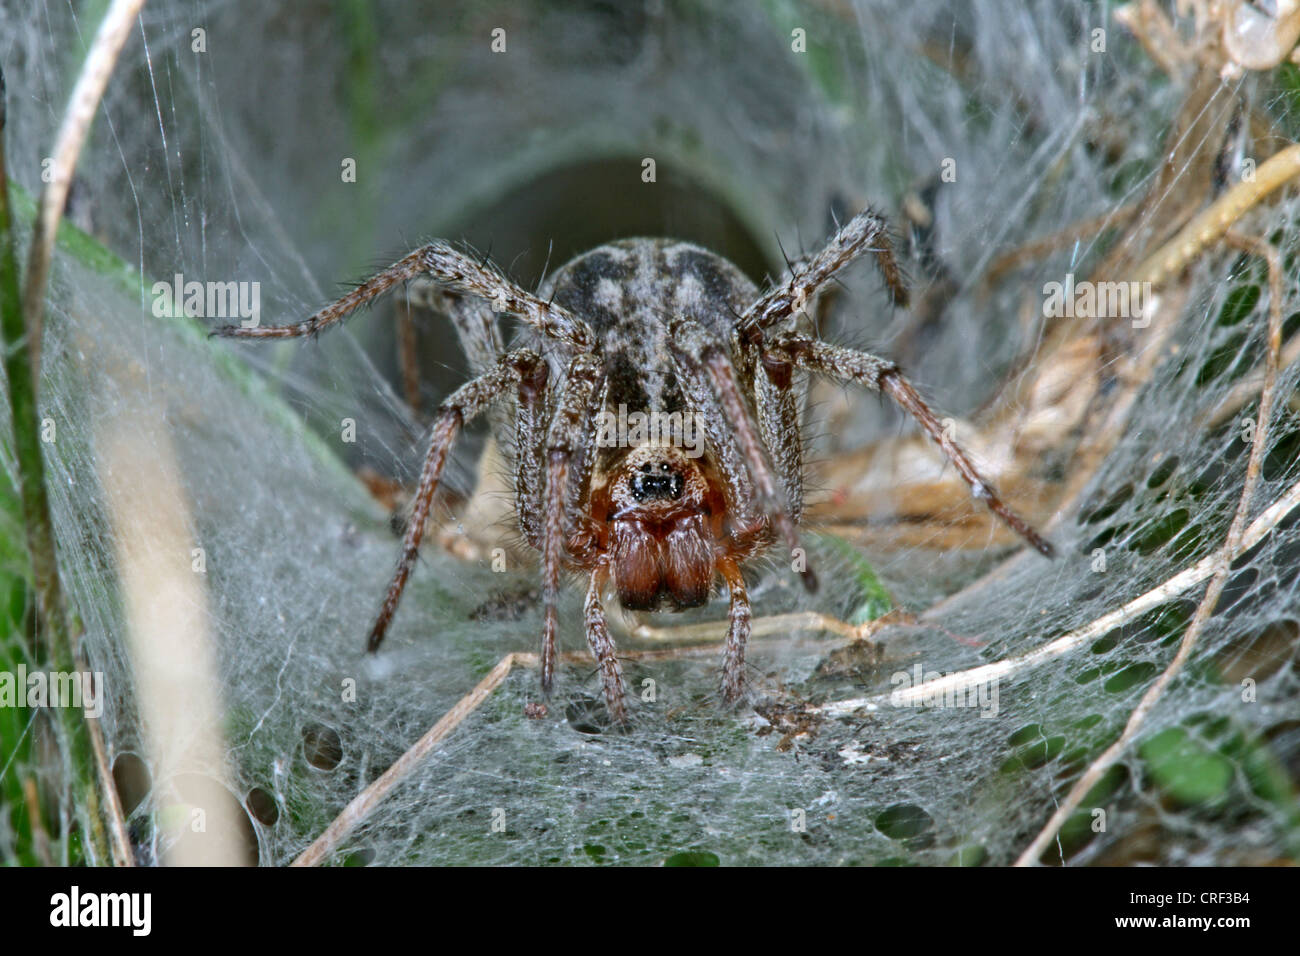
<point x="17" y="336"/>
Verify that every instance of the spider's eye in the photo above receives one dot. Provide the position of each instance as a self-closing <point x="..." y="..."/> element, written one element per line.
<point x="657" y="487"/>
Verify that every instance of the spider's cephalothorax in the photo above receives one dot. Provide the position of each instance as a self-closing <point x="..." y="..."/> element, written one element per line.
<point x="657" y="441"/>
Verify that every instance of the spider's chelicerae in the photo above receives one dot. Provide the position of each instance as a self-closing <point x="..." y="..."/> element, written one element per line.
<point x="649" y="326"/>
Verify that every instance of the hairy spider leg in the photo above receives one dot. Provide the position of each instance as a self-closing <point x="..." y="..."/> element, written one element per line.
<point x="698" y="354"/>
<point x="739" y="621"/>
<point x="884" y="376"/>
<point x="451" y="268"/>
<point x="867" y="233"/>
<point x="565" y="440"/>
<point x="602" y="645"/>
<point x="472" y="318"/>
<point x="462" y="406"/>
<point x="777" y="404"/>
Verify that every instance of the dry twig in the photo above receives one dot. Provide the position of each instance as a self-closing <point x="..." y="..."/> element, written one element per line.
<point x="83" y="103"/>
<point x="362" y="805"/>
<point x="120" y="841"/>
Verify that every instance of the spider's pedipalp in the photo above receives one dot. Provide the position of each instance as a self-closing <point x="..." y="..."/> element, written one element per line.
<point x="884" y="376"/>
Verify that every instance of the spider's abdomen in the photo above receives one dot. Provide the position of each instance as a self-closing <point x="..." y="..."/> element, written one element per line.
<point x="627" y="291"/>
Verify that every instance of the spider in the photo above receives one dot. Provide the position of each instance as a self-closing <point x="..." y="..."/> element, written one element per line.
<point x="654" y="326"/>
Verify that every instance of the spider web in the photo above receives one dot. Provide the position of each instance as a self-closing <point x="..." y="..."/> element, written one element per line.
<point x="226" y="165"/>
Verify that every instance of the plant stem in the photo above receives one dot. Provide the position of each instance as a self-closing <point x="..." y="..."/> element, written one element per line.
<point x="30" y="465"/>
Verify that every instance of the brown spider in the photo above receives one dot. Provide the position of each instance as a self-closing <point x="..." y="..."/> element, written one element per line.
<point x="652" y="326"/>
